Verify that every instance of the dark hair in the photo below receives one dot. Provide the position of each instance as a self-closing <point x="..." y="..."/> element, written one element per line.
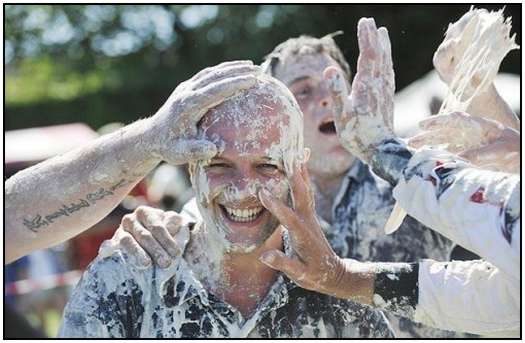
<point x="295" y="46"/>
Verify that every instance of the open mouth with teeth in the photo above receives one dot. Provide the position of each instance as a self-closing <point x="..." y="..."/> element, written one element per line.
<point x="328" y="128"/>
<point x="243" y="215"/>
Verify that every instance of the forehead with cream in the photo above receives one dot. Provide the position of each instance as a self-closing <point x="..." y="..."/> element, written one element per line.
<point x="264" y="120"/>
<point x="295" y="67"/>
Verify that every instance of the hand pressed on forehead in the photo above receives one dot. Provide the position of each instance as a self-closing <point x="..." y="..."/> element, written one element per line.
<point x="176" y="121"/>
<point x="364" y="118"/>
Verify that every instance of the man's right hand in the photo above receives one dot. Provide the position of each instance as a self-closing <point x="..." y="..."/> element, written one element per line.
<point x="149" y="233"/>
<point x="172" y="133"/>
<point x="364" y="117"/>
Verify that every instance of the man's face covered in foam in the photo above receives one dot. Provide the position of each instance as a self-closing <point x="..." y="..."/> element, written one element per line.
<point x="303" y="74"/>
<point x="259" y="135"/>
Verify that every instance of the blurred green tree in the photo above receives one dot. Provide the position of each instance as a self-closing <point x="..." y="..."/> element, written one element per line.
<point x="104" y="63"/>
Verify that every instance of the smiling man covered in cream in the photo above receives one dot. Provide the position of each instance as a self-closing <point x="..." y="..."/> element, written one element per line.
<point x="219" y="288"/>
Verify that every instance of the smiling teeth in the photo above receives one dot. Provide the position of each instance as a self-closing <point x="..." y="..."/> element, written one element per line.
<point x="245" y="215"/>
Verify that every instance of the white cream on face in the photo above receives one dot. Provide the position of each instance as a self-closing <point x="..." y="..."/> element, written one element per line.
<point x="263" y="121"/>
<point x="303" y="74"/>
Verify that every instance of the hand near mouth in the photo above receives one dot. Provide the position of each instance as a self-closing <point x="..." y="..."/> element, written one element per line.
<point x="316" y="266"/>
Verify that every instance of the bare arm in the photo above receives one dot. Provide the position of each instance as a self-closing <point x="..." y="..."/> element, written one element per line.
<point x="59" y="198"/>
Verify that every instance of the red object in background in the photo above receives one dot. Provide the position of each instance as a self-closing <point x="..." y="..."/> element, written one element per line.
<point x="85" y="246"/>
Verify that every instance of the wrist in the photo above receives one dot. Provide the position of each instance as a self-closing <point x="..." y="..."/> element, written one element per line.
<point x="147" y="138"/>
<point x="354" y="281"/>
<point x="389" y="159"/>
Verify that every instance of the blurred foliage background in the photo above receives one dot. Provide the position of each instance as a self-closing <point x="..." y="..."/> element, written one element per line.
<point x="104" y="63"/>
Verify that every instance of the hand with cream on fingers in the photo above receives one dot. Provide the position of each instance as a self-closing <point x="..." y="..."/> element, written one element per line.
<point x="316" y="266"/>
<point x="364" y="118"/>
<point x="468" y="61"/>
<point x="149" y="234"/>
<point x="174" y="126"/>
<point x="483" y="142"/>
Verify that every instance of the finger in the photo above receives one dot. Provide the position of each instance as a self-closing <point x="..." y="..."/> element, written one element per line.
<point x="173" y="222"/>
<point x="147" y="214"/>
<point x="276" y="259"/>
<point x="209" y="70"/>
<point x="367" y="41"/>
<point x="154" y="223"/>
<point x="361" y="96"/>
<point x="433" y="122"/>
<point x="300" y="190"/>
<point x="387" y="64"/>
<point x="339" y="93"/>
<point x="129" y="245"/>
<point x="188" y="150"/>
<point x="384" y="39"/>
<point x="224" y="73"/>
<point x="148" y="243"/>
<point x="435" y="137"/>
<point x="308" y="185"/>
<point x="444" y="120"/>
<point x="182" y="237"/>
<point x="280" y="210"/>
<point x="297" y="187"/>
<point x="498" y="153"/>
<point x="108" y="247"/>
<point x="214" y="94"/>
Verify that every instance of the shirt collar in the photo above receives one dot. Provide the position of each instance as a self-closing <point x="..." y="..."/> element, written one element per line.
<point x="187" y="286"/>
<point x="357" y="173"/>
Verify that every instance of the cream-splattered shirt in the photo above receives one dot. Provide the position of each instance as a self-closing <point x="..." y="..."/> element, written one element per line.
<point x="359" y="213"/>
<point x="115" y="299"/>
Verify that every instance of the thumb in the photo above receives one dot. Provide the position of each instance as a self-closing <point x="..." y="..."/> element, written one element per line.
<point x="184" y="151"/>
<point x="277" y="260"/>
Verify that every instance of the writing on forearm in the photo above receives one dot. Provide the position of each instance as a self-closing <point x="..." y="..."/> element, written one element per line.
<point x="39" y="221"/>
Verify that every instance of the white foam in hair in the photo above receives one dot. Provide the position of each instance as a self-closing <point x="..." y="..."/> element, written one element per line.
<point x="289" y="149"/>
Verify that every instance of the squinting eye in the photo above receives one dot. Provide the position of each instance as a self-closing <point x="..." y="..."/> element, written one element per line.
<point x="303" y="92"/>
<point x="216" y="165"/>
<point x="268" y="168"/>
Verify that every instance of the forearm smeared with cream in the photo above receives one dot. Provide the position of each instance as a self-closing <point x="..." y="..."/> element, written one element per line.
<point x="421" y="291"/>
<point x="59" y="198"/>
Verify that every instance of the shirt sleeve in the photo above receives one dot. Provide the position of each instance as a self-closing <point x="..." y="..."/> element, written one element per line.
<point x="477" y="209"/>
<point x="106" y="303"/>
<point x="468" y="296"/>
